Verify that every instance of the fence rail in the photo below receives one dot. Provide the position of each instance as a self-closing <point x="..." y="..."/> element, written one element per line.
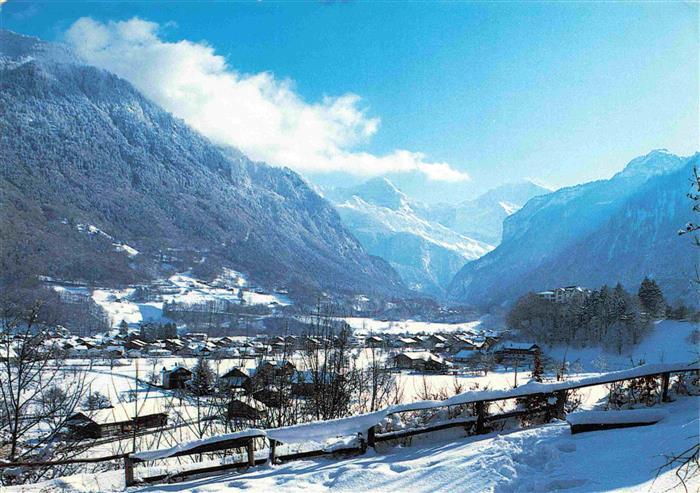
<point x="369" y="438"/>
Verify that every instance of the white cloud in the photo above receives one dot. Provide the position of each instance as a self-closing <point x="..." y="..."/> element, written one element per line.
<point x="257" y="113"/>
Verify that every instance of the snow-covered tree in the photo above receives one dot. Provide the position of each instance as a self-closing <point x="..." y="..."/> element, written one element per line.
<point x="202" y="381"/>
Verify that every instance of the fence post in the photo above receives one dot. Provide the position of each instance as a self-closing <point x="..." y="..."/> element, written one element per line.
<point x="371" y="441"/>
<point x="128" y="471"/>
<point x="665" y="379"/>
<point x="273" y="447"/>
<point x="560" y="408"/>
<point x="480" y="415"/>
<point x="363" y="442"/>
<point x="251" y="452"/>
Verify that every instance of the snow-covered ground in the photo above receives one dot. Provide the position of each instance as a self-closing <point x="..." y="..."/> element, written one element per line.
<point x="544" y="458"/>
<point x="179" y="288"/>
<point x="364" y="325"/>
<point x="667" y="342"/>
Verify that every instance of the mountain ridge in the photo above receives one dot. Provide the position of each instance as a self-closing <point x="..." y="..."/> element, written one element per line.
<point x="568" y="237"/>
<point x="84" y="146"/>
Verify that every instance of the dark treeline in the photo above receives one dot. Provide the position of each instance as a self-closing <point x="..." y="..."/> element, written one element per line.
<point x="608" y="317"/>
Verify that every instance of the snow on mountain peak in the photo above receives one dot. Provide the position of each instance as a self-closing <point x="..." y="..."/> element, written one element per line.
<point x="656" y="162"/>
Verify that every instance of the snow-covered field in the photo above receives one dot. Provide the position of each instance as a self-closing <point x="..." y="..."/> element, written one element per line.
<point x="667" y="342"/>
<point x="541" y="459"/>
<point x="366" y="325"/>
<point x="179" y="288"/>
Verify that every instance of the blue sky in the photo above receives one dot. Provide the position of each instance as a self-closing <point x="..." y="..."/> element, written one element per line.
<point x="562" y="93"/>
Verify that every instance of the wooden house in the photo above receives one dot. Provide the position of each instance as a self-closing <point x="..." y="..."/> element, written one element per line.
<point x="238" y="379"/>
<point x="119" y="420"/>
<point x="176" y="378"/>
<point x="373" y="341"/>
<point x="421" y="361"/>
<point x="245" y="408"/>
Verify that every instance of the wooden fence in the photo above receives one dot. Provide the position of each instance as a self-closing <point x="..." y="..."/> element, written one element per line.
<point x="369" y="438"/>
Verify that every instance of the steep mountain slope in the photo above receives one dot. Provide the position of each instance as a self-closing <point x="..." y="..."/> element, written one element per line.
<point x="606" y="231"/>
<point x="79" y="146"/>
<point x="425" y="254"/>
<point x="482" y="218"/>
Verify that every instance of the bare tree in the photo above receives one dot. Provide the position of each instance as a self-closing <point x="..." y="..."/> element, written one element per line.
<point x="329" y="359"/>
<point x="38" y="391"/>
<point x="377" y="385"/>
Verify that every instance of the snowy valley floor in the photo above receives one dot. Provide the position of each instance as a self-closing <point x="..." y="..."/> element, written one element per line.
<point x="545" y="458"/>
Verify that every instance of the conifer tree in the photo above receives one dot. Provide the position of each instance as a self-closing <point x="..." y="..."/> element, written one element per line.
<point x="202" y="380"/>
<point x="651" y="297"/>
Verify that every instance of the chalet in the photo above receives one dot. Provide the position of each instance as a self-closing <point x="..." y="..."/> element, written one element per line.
<point x="269" y="370"/>
<point x="373" y="341"/>
<point x="435" y="340"/>
<point x="227" y="341"/>
<point x="515" y="349"/>
<point x="173" y="345"/>
<point x="421" y="340"/>
<point x="119" y="420"/>
<point x="464" y="355"/>
<point x="421" y="361"/>
<point x="407" y="342"/>
<point x="87" y="342"/>
<point x="270" y="396"/>
<point x="238" y="379"/>
<point x="312" y="342"/>
<point x="304" y="383"/>
<point x="175" y="378"/>
<point x="137" y="344"/>
<point x="245" y="408"/>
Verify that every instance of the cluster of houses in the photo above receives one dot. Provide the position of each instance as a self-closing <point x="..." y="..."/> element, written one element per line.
<point x="565" y="294"/>
<point x="441" y="352"/>
<point x="120" y="344"/>
<point x="254" y="391"/>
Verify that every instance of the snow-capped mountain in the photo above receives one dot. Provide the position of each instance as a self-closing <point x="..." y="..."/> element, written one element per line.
<point x="606" y="231"/>
<point x="426" y="254"/>
<point x="81" y="146"/>
<point x="482" y="218"/>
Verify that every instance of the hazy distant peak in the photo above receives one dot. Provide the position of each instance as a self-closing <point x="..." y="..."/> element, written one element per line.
<point x="517" y="193"/>
<point x="656" y="162"/>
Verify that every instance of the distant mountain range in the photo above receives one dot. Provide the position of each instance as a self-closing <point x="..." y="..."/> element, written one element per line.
<point x="89" y="165"/>
<point x="99" y="184"/>
<point x="426" y="245"/>
<point x="621" y="229"/>
<point x="482" y="218"/>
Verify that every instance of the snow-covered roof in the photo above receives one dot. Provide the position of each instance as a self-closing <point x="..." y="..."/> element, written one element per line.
<point x="521" y="346"/>
<point x="422" y="355"/>
<point x="125" y="411"/>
